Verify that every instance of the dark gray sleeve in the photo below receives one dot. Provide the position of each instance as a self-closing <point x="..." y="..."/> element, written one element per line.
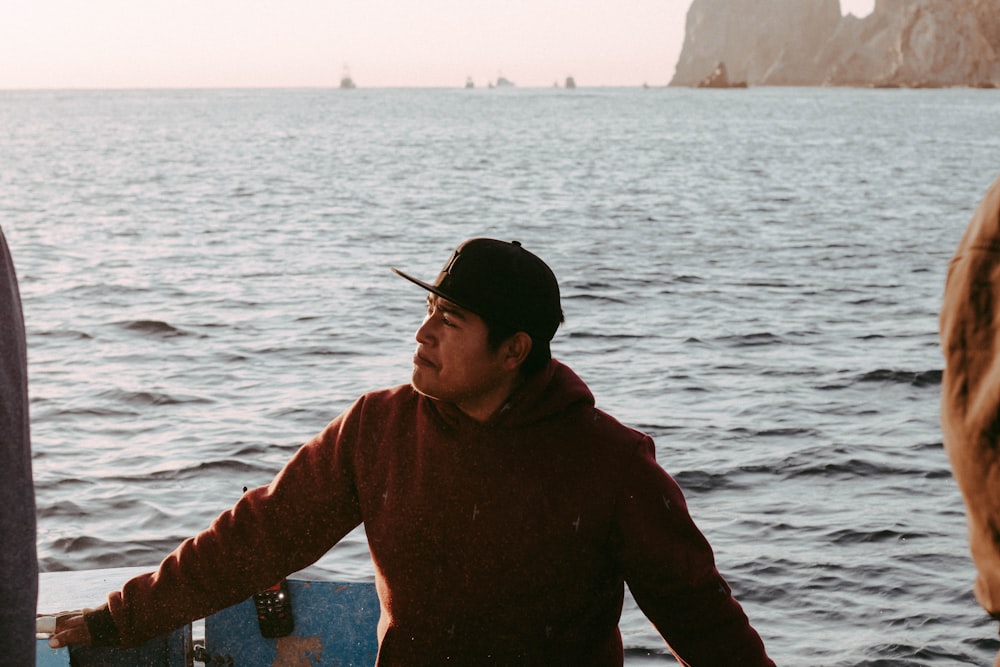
<point x="18" y="555"/>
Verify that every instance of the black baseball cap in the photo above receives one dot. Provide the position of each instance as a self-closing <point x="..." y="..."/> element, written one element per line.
<point x="501" y="282"/>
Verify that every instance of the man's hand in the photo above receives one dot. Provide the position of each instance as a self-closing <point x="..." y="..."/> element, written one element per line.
<point x="70" y="629"/>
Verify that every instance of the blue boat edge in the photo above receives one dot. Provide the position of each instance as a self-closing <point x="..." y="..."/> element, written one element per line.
<point x="335" y="623"/>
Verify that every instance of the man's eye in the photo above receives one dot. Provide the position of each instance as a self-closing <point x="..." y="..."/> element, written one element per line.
<point x="445" y="317"/>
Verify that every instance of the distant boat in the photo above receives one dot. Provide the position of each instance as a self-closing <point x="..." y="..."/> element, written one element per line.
<point x="570" y="83"/>
<point x="346" y="82"/>
<point x="469" y="83"/>
<point x="719" y="78"/>
<point x="504" y="82"/>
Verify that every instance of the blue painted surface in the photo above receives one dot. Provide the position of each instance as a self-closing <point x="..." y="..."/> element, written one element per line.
<point x="171" y="650"/>
<point x="335" y="625"/>
<point x="50" y="657"/>
<point x="61" y="591"/>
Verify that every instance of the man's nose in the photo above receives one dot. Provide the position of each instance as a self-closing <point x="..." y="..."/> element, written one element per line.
<point x="424" y="332"/>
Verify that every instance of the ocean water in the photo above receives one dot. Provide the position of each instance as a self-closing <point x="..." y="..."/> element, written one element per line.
<point x="751" y="276"/>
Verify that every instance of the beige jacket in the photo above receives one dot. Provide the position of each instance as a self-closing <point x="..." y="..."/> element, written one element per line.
<point x="970" y="390"/>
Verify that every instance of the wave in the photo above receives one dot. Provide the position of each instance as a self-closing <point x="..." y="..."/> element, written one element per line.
<point x="751" y="340"/>
<point x="853" y="467"/>
<point x="226" y="468"/>
<point x="851" y="536"/>
<point x="71" y="413"/>
<point x="65" y="509"/>
<point x="85" y="552"/>
<point x="915" y="378"/>
<point x="929" y="378"/>
<point x="71" y="334"/>
<point x="152" y="327"/>
<point x="148" y="398"/>
<point x="589" y="335"/>
<point x="841" y="462"/>
<point x="696" y="481"/>
<point x="593" y="297"/>
<point x="788" y="432"/>
<point x="911" y="654"/>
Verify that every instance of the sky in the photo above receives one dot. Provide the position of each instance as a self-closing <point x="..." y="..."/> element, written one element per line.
<point x="59" y="44"/>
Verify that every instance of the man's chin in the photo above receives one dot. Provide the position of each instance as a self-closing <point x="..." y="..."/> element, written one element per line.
<point x="419" y="386"/>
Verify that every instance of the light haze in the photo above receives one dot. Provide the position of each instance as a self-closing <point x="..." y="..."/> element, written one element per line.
<point x="381" y="43"/>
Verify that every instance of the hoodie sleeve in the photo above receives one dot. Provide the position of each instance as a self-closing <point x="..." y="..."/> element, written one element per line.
<point x="271" y="532"/>
<point x="670" y="569"/>
<point x="970" y="387"/>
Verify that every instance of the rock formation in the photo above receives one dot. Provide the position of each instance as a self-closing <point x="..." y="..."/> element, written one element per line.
<point x="902" y="43"/>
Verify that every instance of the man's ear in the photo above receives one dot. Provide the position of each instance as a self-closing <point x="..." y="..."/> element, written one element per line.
<point x="516" y="349"/>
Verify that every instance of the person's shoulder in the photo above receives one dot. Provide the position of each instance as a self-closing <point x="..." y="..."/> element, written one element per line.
<point x="391" y="393"/>
<point x="606" y="423"/>
<point x="377" y="409"/>
<point x="602" y="434"/>
<point x="388" y="398"/>
<point x="581" y="408"/>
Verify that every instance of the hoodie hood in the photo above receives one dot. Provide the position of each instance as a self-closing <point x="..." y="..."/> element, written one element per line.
<point x="551" y="392"/>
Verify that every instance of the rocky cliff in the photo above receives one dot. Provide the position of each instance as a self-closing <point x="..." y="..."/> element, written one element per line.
<point x="905" y="43"/>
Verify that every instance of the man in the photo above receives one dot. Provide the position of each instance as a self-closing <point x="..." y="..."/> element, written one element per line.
<point x="18" y="556"/>
<point x="503" y="510"/>
<point x="970" y="388"/>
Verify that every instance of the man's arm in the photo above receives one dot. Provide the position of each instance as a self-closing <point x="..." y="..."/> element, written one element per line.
<point x="670" y="569"/>
<point x="271" y="532"/>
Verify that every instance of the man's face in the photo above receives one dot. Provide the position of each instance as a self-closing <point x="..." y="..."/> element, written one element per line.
<point x="454" y="362"/>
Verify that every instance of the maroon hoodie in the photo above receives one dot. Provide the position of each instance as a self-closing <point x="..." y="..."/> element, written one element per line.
<point x="501" y="543"/>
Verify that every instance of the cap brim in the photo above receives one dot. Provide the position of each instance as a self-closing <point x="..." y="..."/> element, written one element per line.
<point x="415" y="281"/>
<point x="432" y="289"/>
